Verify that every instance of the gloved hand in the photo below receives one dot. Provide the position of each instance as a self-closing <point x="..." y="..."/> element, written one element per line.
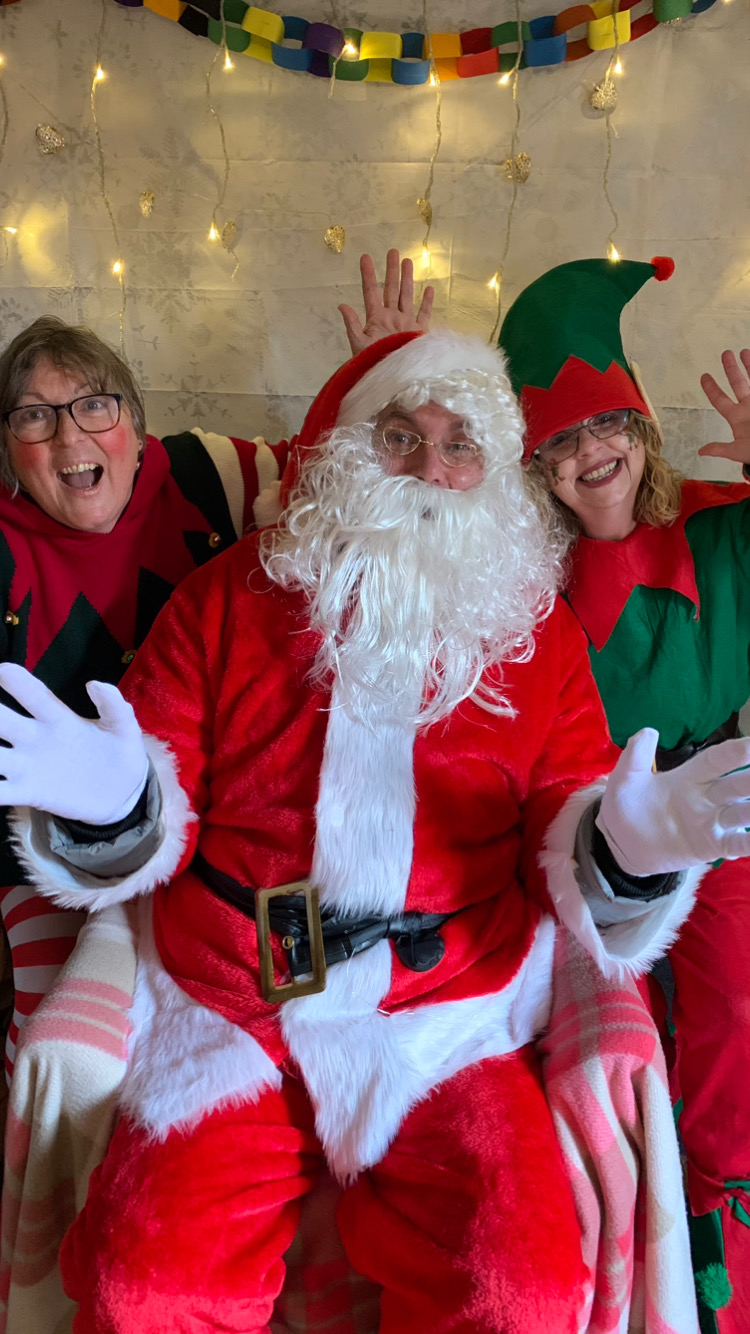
<point x="657" y="822"/>
<point x="80" y="769"/>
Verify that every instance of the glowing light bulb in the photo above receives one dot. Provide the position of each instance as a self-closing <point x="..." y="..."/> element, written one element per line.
<point x="2" y="60"/>
<point x="350" y="50"/>
<point x="228" y="62"/>
<point x="617" y="67"/>
<point x="12" y="230"/>
<point x="99" y="74"/>
<point x="504" y="78"/>
<point x="613" y="253"/>
<point x="433" y="78"/>
<point x="118" y="267"/>
<point x="213" y="232"/>
<point x="494" y="283"/>
<point x="425" y="255"/>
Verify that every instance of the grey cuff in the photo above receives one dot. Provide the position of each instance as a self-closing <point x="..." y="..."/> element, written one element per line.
<point x="606" y="907"/>
<point x="112" y="859"/>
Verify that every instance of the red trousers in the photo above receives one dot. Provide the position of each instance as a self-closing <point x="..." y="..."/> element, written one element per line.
<point x="711" y="964"/>
<point x="467" y="1224"/>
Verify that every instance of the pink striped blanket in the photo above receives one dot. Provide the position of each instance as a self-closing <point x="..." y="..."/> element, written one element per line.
<point x="606" y="1084"/>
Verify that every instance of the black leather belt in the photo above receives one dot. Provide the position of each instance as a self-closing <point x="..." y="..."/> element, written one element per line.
<point x="314" y="938"/>
<point x="671" y="759"/>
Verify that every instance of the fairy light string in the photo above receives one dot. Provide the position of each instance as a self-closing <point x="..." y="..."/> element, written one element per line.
<point x="424" y="203"/>
<point x="118" y="267"/>
<point x="3" y="139"/>
<point x="496" y="283"/>
<point x="228" y="233"/>
<point x="612" y="251"/>
<point x="336" y="23"/>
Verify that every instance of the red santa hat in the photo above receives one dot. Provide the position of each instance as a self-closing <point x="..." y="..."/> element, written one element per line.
<point x="378" y="375"/>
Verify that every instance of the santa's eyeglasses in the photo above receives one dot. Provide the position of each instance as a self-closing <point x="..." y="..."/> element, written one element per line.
<point x="564" y="444"/>
<point x="454" y="453"/>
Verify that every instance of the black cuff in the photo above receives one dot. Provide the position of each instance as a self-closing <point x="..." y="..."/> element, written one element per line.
<point x="105" y="833"/>
<point x="627" y="886"/>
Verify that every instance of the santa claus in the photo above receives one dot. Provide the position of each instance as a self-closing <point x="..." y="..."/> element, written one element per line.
<point x="375" y="761"/>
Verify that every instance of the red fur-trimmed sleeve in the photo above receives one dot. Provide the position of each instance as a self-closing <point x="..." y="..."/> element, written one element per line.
<point x="577" y="750"/>
<point x="174" y="682"/>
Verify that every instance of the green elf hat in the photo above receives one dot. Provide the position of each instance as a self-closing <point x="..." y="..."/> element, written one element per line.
<point x="562" y="341"/>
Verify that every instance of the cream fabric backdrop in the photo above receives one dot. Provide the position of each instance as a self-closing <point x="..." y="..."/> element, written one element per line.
<point x="246" y="355"/>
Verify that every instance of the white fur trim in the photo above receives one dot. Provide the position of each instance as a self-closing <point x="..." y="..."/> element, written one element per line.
<point x="267" y="505"/>
<point x="624" y="948"/>
<point x="73" y="888"/>
<point x="365" y="814"/>
<point x="365" y="1070"/>
<point x="223" y="455"/>
<point x="431" y="357"/>
<point x="186" y="1060"/>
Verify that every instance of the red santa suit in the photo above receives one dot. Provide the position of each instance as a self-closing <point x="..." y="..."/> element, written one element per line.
<point x="418" y="1085"/>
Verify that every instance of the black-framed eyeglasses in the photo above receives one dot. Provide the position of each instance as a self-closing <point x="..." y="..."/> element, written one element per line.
<point x="454" y="453"/>
<point x="36" y="422"/>
<point x="564" y="444"/>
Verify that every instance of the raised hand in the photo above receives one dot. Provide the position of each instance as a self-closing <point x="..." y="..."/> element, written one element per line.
<point x="659" y="822"/>
<point x="736" y="411"/>
<point x="78" y="768"/>
<point x="389" y="311"/>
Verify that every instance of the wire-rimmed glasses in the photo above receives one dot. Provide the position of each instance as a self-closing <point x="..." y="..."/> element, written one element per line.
<point x="564" y="444"/>
<point x="454" y="453"/>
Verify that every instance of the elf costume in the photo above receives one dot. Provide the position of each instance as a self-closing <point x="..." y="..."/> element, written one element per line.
<point x="459" y="1205"/>
<point x="77" y="605"/>
<point x="667" y="615"/>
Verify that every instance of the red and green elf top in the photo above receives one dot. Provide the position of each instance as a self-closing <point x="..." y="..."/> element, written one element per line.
<point x="667" y="614"/>
<point x="76" y="605"/>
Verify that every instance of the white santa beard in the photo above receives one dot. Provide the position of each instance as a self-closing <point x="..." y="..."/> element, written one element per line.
<point x="414" y="589"/>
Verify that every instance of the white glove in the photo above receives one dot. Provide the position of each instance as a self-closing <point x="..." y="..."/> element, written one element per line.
<point x="80" y="769"/>
<point x="658" y="822"/>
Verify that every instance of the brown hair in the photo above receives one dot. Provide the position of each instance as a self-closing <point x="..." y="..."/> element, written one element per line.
<point x="70" y="348"/>
<point x="659" y="495"/>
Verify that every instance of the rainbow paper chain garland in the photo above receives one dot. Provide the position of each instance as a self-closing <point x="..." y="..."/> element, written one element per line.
<point x="404" y="58"/>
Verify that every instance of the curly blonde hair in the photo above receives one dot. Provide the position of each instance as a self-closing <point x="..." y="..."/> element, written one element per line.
<point x="659" y="495"/>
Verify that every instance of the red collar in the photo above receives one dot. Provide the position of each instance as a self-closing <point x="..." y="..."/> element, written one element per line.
<point x="648" y="557"/>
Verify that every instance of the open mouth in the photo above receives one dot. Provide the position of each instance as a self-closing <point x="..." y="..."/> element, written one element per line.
<point x="81" y="476"/>
<point x="595" y="476"/>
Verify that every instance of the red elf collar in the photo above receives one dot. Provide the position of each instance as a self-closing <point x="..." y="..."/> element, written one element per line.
<point x="648" y="557"/>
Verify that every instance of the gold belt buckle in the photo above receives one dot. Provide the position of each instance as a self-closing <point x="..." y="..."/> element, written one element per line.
<point x="287" y="990"/>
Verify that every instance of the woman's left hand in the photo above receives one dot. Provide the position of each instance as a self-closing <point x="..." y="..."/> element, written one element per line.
<point x="389" y="311"/>
<point x="735" y="411"/>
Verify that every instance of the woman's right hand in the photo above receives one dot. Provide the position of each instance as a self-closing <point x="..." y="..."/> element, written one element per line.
<point x="735" y="411"/>
<point x="92" y="770"/>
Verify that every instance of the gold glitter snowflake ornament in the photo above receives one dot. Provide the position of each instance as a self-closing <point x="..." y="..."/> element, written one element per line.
<point x="517" y="169"/>
<point x="229" y="235"/>
<point x="604" y="96"/>
<point x="49" y="141"/>
<point x="335" y="238"/>
<point x="424" y="209"/>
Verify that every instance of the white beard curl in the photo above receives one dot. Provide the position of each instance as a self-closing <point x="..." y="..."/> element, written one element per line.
<point x="415" y="590"/>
